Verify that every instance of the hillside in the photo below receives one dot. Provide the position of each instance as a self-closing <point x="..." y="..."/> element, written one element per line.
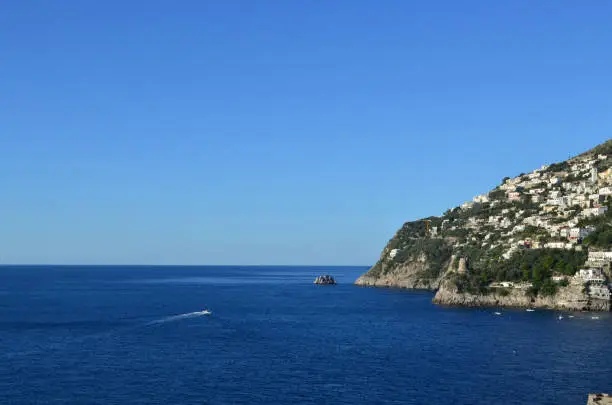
<point x="540" y="235"/>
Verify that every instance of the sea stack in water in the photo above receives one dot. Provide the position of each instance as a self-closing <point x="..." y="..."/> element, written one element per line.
<point x="325" y="280"/>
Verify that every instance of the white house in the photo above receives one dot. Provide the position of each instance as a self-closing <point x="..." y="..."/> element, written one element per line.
<point x="467" y="205"/>
<point x="555" y="245"/>
<point x="591" y="275"/>
<point x="581" y="232"/>
<point x="591" y="212"/>
<point x="602" y="255"/>
<point x="483" y="198"/>
<point x="605" y="191"/>
<point x="393" y="253"/>
<point x="494" y="219"/>
<point x="556" y="201"/>
<point x="600" y="291"/>
<point x="514" y="196"/>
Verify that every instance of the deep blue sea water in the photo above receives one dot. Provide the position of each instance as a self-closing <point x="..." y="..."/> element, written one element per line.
<point x="128" y="335"/>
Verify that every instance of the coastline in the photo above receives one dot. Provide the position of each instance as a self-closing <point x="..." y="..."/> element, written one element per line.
<point x="570" y="298"/>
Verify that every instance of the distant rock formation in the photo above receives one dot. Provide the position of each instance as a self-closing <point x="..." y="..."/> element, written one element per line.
<point x="325" y="280"/>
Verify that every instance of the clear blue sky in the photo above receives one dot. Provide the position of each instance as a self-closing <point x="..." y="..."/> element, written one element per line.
<point x="279" y="132"/>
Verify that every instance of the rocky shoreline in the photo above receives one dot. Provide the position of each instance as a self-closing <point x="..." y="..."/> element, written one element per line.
<point x="573" y="297"/>
<point x="396" y="282"/>
<point x="570" y="298"/>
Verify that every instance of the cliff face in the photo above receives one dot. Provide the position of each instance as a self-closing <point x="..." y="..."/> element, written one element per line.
<point x="536" y="228"/>
<point x="414" y="274"/>
<point x="573" y="297"/>
<point x="420" y="264"/>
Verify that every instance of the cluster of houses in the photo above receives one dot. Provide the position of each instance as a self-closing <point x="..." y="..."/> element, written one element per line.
<point x="562" y="199"/>
<point x="555" y="200"/>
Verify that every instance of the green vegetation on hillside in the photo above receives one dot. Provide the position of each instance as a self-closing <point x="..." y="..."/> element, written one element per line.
<point x="535" y="266"/>
<point x="601" y="238"/>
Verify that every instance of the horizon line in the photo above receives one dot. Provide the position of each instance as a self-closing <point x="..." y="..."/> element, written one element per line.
<point x="176" y="265"/>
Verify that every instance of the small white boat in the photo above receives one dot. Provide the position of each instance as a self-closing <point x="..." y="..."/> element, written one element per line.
<point x="571" y="316"/>
<point x="497" y="313"/>
<point x="594" y="317"/>
<point x="206" y="312"/>
<point x="530" y="310"/>
<point x="560" y="317"/>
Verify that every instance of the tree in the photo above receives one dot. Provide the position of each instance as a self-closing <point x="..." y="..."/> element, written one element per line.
<point x="548" y="288"/>
<point x="548" y="262"/>
<point x="526" y="272"/>
<point x="569" y="269"/>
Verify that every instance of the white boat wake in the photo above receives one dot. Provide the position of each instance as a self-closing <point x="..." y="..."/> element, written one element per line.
<point x="173" y="318"/>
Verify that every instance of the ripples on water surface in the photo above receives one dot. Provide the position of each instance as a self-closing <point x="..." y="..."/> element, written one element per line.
<point x="135" y="335"/>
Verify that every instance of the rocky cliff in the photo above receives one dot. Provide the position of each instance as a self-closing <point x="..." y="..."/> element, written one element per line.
<point x="536" y="228"/>
<point x="420" y="264"/>
<point x="573" y="297"/>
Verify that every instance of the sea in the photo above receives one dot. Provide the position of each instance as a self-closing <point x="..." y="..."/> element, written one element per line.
<point x="136" y="335"/>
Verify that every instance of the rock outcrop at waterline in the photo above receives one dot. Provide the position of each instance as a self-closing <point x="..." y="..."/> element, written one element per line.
<point x="539" y="229"/>
<point x="572" y="297"/>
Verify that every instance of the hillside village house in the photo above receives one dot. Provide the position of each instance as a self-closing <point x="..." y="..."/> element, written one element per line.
<point x="483" y="198"/>
<point x="591" y="212"/>
<point x="595" y="275"/>
<point x="600" y="291"/>
<point x="605" y="255"/>
<point x="494" y="219"/>
<point x="556" y="201"/>
<point x="555" y="180"/>
<point x="514" y="196"/>
<point x="555" y="245"/>
<point x="605" y="191"/>
<point x="598" y="198"/>
<point x="580" y="233"/>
